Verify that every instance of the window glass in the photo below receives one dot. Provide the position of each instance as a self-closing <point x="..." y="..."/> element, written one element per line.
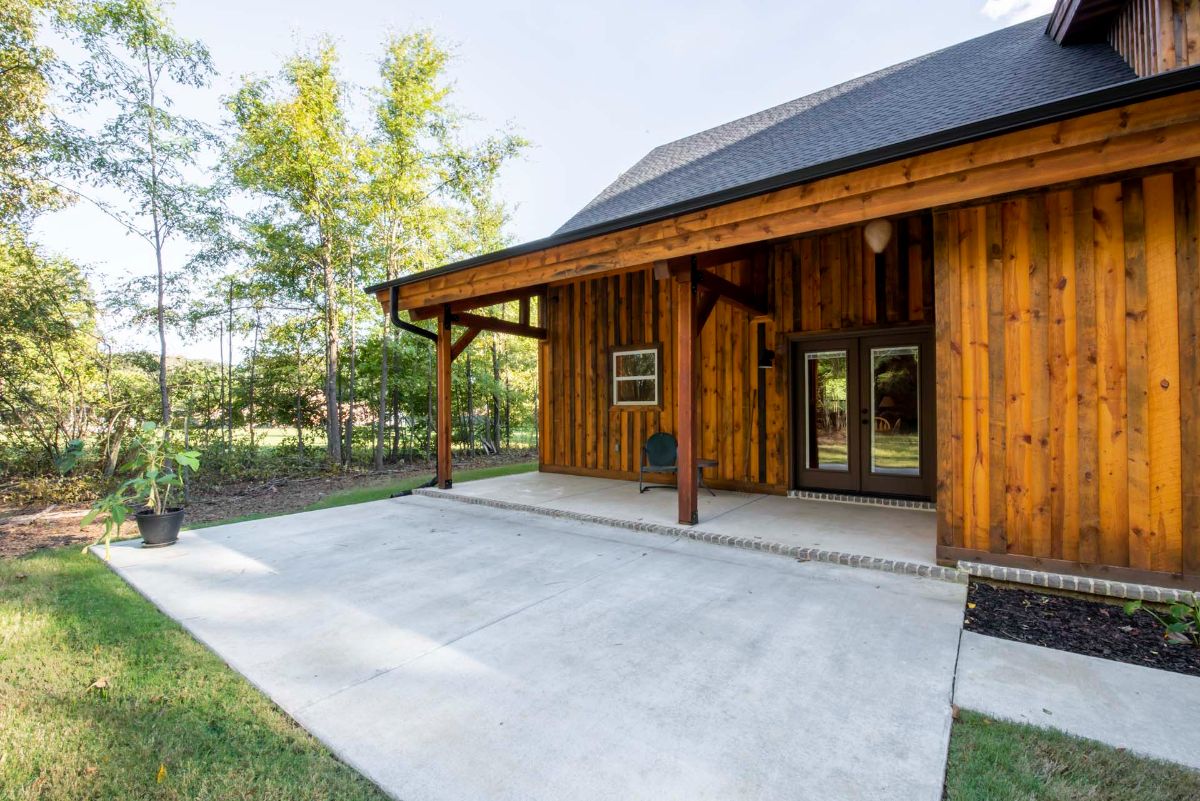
<point x="635" y="377"/>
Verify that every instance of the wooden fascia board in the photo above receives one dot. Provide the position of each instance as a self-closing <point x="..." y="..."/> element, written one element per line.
<point x="479" y="302"/>
<point x="1129" y="137"/>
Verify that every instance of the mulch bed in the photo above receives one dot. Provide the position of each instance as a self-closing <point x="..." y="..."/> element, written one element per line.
<point x="1093" y="628"/>
<point x="27" y="529"/>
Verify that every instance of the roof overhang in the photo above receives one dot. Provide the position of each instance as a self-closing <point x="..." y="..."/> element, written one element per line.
<point x="1077" y="21"/>
<point x="589" y="251"/>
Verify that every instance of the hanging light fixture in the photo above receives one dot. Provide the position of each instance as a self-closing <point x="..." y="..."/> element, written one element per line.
<point x="878" y="233"/>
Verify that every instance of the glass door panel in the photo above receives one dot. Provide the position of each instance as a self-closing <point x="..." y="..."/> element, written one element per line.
<point x="895" y="387"/>
<point x="828" y="434"/>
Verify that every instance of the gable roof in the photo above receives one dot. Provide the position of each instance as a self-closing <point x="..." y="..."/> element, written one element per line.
<point x="1002" y="72"/>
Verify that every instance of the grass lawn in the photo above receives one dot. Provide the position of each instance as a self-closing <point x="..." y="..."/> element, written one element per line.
<point x="103" y="697"/>
<point x="998" y="761"/>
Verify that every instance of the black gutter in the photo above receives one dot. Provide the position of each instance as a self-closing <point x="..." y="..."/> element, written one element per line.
<point x="404" y="324"/>
<point x="1120" y="94"/>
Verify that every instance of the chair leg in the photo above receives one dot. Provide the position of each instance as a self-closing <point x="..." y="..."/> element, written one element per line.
<point x="700" y="481"/>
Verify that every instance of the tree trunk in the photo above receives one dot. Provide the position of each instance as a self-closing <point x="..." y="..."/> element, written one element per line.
<point x="229" y="363"/>
<point x="470" y="410"/>
<point x="333" y="420"/>
<point x="299" y="398"/>
<point x="348" y="455"/>
<point x="250" y="389"/>
<point x="381" y="431"/>
<point x="221" y="374"/>
<point x="160" y="311"/>
<point x="495" y="395"/>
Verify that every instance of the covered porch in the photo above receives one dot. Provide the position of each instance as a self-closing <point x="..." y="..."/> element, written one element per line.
<point x="877" y="532"/>
<point x="1043" y="300"/>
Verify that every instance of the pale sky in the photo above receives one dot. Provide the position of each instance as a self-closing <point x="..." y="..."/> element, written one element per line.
<point x="593" y="85"/>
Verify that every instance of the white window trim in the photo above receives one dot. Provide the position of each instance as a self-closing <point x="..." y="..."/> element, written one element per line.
<point x="652" y="377"/>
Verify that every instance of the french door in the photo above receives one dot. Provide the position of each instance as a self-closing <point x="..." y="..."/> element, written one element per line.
<point x="863" y="413"/>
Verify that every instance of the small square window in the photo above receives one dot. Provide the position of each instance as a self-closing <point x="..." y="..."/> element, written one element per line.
<point x="635" y="377"/>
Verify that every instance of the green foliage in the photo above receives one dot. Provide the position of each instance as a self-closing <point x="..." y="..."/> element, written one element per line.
<point x="143" y="151"/>
<point x="333" y="206"/>
<point x="156" y="467"/>
<point x="1180" y="621"/>
<point x="26" y="71"/>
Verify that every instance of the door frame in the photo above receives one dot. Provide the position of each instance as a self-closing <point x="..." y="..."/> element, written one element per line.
<point x="922" y="487"/>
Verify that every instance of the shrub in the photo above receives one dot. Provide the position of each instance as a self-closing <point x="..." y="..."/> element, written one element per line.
<point x="1180" y="621"/>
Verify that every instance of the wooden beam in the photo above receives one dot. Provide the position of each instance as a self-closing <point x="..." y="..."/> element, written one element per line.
<point x="685" y="349"/>
<point x="1126" y="138"/>
<point x="485" y="323"/>
<point x="523" y="311"/>
<point x="728" y="291"/>
<point x="707" y="302"/>
<point x="463" y="341"/>
<point x="480" y="302"/>
<point x="445" y="357"/>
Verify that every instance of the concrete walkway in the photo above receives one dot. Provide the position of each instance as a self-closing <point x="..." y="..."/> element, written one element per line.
<point x="903" y="535"/>
<point x="1150" y="712"/>
<point x="453" y="651"/>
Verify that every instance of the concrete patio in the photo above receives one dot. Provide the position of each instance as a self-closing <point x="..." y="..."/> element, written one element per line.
<point x="452" y="651"/>
<point x="903" y="535"/>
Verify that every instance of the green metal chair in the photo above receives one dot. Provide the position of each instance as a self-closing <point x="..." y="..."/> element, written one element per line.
<point x="660" y="454"/>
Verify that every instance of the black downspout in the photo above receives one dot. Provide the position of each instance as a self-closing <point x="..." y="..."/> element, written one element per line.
<point x="394" y="309"/>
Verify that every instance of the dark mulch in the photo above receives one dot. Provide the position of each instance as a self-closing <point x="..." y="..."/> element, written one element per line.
<point x="1072" y="624"/>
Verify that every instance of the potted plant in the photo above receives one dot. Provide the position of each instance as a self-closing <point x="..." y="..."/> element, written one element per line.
<point x="155" y="470"/>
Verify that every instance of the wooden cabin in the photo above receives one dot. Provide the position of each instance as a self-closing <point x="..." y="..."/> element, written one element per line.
<point x="972" y="279"/>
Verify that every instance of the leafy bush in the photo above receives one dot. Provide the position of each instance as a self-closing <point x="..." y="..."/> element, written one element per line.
<point x="1180" y="621"/>
<point x="36" y="490"/>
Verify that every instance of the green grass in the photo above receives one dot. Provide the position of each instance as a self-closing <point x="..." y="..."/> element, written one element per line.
<point x="998" y="761"/>
<point x="67" y="621"/>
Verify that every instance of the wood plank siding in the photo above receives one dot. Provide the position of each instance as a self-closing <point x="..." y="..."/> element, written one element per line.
<point x="1085" y="445"/>
<point x="1155" y="36"/>
<point x="821" y="282"/>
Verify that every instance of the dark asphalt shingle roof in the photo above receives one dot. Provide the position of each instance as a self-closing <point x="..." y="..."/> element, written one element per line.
<point x="1010" y="70"/>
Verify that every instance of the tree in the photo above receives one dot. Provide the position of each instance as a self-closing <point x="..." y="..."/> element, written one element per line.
<point x="294" y="148"/>
<point x="416" y="166"/>
<point x="144" y="151"/>
<point x="25" y="116"/>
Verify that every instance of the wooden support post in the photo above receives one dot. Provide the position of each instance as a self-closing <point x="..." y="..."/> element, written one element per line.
<point x="685" y="377"/>
<point x="523" y="307"/>
<point x="445" y="357"/>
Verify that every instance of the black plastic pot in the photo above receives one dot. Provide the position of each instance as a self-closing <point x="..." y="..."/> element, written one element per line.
<point x="159" y="530"/>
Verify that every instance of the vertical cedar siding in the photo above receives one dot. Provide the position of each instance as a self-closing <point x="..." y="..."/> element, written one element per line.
<point x="819" y="282"/>
<point x="1155" y="36"/>
<point x="1092" y="305"/>
<point x="1066" y="331"/>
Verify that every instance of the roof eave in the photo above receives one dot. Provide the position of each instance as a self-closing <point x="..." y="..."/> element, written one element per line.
<point x="1132" y="91"/>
